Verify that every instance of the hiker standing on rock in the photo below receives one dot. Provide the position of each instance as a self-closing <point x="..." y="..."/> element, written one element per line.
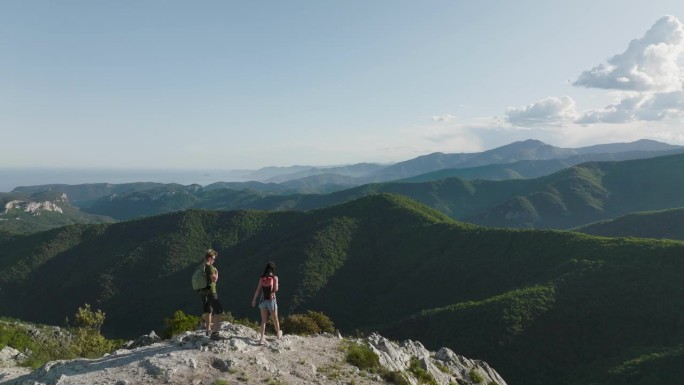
<point x="266" y="289"/>
<point x="212" y="305"/>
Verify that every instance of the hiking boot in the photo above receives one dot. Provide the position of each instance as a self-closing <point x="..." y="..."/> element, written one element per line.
<point x="215" y="336"/>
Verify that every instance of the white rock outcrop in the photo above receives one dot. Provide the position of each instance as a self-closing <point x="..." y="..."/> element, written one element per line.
<point x="32" y="207"/>
<point x="10" y="357"/>
<point x="237" y="357"/>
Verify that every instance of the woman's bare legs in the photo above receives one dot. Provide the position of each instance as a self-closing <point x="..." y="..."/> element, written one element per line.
<point x="264" y="318"/>
<point x="279" y="333"/>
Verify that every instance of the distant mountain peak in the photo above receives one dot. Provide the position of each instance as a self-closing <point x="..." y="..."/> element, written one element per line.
<point x="638" y="145"/>
<point x="531" y="141"/>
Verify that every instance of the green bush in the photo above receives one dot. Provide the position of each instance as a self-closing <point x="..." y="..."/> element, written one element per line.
<point x="300" y="324"/>
<point x="37" y="342"/>
<point x="228" y="317"/>
<point x="362" y="357"/>
<point x="306" y="324"/>
<point x="43" y="343"/>
<point x="475" y="376"/>
<point x="50" y="348"/>
<point x="90" y="343"/>
<point x="395" y="377"/>
<point x="422" y="375"/>
<point x="89" y="319"/>
<point x="179" y="323"/>
<point x="324" y="323"/>
<point x="14" y="337"/>
<point x="86" y="338"/>
<point x="443" y="368"/>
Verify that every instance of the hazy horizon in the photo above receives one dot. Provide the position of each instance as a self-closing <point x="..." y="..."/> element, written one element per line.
<point x="12" y="177"/>
<point x="245" y="85"/>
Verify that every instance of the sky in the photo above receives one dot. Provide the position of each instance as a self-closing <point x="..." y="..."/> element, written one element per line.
<point x="152" y="84"/>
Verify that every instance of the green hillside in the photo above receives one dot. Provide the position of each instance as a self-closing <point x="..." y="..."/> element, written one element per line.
<point x="576" y="196"/>
<point x="647" y="224"/>
<point x="539" y="306"/>
<point x="110" y="264"/>
<point x="572" y="197"/>
<point x="605" y="304"/>
<point x="83" y="194"/>
<point x="591" y="192"/>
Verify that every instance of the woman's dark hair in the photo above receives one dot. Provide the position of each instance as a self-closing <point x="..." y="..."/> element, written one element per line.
<point x="270" y="269"/>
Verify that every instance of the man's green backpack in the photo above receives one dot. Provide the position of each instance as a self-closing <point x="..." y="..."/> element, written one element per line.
<point x="199" y="278"/>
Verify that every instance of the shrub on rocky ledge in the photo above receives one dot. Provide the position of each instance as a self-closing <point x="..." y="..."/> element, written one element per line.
<point x="306" y="324"/>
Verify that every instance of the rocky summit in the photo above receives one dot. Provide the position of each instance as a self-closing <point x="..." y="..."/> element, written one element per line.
<point x="237" y="357"/>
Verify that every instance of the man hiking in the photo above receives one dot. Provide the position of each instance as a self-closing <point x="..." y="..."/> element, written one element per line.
<point x="211" y="304"/>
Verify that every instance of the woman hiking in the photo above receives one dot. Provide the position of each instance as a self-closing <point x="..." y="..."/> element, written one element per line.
<point x="266" y="289"/>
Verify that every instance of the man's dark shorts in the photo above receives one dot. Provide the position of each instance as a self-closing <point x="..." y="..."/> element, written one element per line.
<point x="211" y="303"/>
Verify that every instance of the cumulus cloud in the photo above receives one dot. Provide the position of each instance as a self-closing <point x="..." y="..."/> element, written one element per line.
<point x="648" y="64"/>
<point x="640" y="107"/>
<point x="549" y="111"/>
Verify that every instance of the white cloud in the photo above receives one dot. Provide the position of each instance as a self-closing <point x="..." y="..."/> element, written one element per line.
<point x="549" y="111"/>
<point x="640" y="107"/>
<point x="649" y="70"/>
<point x="648" y="64"/>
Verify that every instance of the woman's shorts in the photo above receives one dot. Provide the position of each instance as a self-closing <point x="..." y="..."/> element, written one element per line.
<point x="211" y="304"/>
<point x="269" y="305"/>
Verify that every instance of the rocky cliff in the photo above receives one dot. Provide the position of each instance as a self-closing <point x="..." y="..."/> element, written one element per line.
<point x="192" y="358"/>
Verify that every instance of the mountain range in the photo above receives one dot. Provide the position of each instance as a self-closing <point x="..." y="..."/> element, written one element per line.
<point x="564" y="199"/>
<point x="307" y="179"/>
<point x="404" y="254"/>
<point x="540" y="306"/>
<point x="524" y="159"/>
<point x="518" y="151"/>
<point x="572" y="197"/>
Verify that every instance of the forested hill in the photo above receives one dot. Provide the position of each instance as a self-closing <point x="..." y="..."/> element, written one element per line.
<point x="576" y="196"/>
<point x="124" y="266"/>
<point x="540" y="306"/>
<point x="646" y="224"/>
<point x="573" y="197"/>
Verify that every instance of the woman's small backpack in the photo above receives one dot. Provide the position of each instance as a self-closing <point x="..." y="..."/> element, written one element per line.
<point x="267" y="283"/>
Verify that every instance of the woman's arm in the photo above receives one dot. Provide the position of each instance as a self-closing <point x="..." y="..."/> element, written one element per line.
<point x="275" y="283"/>
<point x="256" y="293"/>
